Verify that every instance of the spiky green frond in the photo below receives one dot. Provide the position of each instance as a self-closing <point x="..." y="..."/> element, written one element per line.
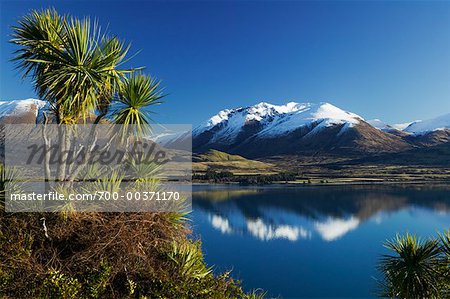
<point x="110" y="184"/>
<point x="445" y="260"/>
<point x="412" y="272"/>
<point x="189" y="258"/>
<point x="34" y="35"/>
<point x="138" y="92"/>
<point x="445" y="242"/>
<point x="73" y="65"/>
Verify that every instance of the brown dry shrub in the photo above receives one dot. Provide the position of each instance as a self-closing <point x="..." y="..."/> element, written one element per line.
<point x="77" y="246"/>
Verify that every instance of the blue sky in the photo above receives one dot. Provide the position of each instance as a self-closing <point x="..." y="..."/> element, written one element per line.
<point x="388" y="60"/>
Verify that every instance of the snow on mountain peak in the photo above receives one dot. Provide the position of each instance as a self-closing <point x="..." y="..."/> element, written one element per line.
<point x="378" y="123"/>
<point x="276" y="119"/>
<point x="20" y="107"/>
<point x="220" y="117"/>
<point x="264" y="107"/>
<point x="429" y="125"/>
<point x="324" y="114"/>
<point x="335" y="114"/>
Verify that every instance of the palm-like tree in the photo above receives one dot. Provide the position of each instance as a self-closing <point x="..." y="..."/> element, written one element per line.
<point x="413" y="271"/>
<point x="78" y="70"/>
<point x="73" y="65"/>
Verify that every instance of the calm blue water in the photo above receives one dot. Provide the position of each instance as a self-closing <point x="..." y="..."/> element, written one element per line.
<point x="311" y="242"/>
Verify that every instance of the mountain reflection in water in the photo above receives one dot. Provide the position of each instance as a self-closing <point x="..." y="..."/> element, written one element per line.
<point x="289" y="240"/>
<point x="294" y="213"/>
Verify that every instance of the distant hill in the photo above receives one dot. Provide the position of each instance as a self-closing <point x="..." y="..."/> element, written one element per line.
<point x="438" y="155"/>
<point x="220" y="161"/>
<point x="428" y="139"/>
<point x="217" y="156"/>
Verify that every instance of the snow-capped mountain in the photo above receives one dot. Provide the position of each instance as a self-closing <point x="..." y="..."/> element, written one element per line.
<point x="266" y="129"/>
<point x="291" y="129"/>
<point x="381" y="125"/>
<point x="429" y="125"/>
<point x="21" y="110"/>
<point x="277" y="119"/>
<point x="417" y="127"/>
<point x="401" y="126"/>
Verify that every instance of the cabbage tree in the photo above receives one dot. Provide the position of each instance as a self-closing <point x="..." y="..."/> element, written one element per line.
<point x="79" y="71"/>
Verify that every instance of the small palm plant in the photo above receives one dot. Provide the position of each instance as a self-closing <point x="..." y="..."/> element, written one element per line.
<point x="413" y="271"/>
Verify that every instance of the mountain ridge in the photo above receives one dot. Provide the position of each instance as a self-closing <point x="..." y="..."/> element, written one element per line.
<point x="303" y="128"/>
<point x="265" y="129"/>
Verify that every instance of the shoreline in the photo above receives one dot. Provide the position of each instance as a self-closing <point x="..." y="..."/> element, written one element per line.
<point x="352" y="183"/>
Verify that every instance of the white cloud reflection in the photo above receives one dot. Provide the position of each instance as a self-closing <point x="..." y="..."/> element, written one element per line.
<point x="221" y="223"/>
<point x="334" y="228"/>
<point x="265" y="232"/>
<point x="330" y="229"/>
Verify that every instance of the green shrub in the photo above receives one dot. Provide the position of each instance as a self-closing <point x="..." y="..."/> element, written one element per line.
<point x="417" y="269"/>
<point x="59" y="285"/>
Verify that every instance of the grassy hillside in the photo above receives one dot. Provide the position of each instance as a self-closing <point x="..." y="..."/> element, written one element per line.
<point x="220" y="161"/>
<point x="217" y="156"/>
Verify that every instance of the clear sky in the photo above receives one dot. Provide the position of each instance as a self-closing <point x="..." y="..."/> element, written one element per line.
<point x="388" y="60"/>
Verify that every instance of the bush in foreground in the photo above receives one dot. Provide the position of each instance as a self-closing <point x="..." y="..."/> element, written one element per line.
<point x="418" y="268"/>
<point x="107" y="255"/>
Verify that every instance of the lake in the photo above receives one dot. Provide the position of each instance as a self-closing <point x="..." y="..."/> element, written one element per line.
<point x="311" y="241"/>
